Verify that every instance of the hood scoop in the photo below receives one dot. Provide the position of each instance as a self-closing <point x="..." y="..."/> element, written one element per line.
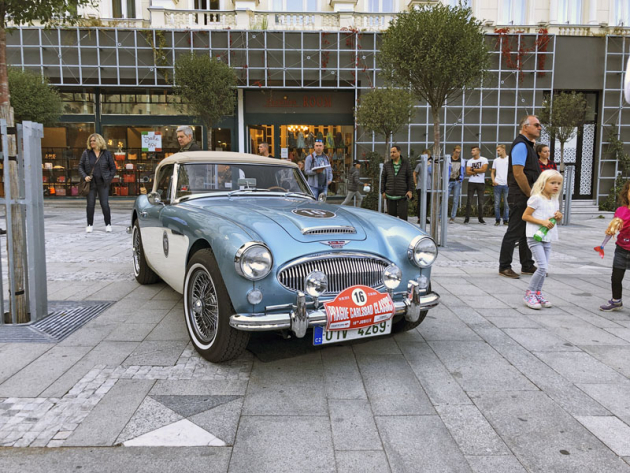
<point x="344" y="229"/>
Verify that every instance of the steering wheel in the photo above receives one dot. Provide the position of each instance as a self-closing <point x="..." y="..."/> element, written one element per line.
<point x="281" y="189"/>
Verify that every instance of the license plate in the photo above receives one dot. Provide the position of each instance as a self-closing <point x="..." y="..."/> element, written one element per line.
<point x="323" y="337"/>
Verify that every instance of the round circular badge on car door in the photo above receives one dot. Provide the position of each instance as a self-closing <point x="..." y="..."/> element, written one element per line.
<point x="314" y="213"/>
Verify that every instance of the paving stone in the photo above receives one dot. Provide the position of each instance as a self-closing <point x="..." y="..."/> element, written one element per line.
<point x="16" y="356"/>
<point x="580" y="367"/>
<point x="476" y="366"/>
<point x="376" y="346"/>
<point x="471" y="430"/>
<point x="115" y="460"/>
<point x="151" y="415"/>
<point x="353" y="426"/>
<point x="130" y="332"/>
<point x="413" y="442"/>
<point x="179" y="434"/>
<point x="152" y="353"/>
<point x="392" y="387"/>
<point x="279" y="444"/>
<point x="613" y="397"/>
<point x="187" y="406"/>
<point x="536" y="339"/>
<point x="518" y="321"/>
<point x="577" y="331"/>
<point x="542" y="436"/>
<point x="503" y="464"/>
<point x="610" y="430"/>
<point x="199" y="387"/>
<point x="107" y="420"/>
<point x="341" y="374"/>
<point x="616" y="357"/>
<point x="287" y="387"/>
<point x="363" y="461"/>
<point x="221" y="421"/>
<point x="446" y="326"/>
<point x="437" y="382"/>
<point x="41" y="373"/>
<point x="171" y="327"/>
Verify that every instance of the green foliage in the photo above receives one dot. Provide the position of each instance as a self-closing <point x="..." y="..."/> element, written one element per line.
<point x="206" y="86"/>
<point x="33" y="99"/>
<point x="611" y="204"/>
<point x="615" y="150"/>
<point x="437" y="50"/>
<point x="370" y="201"/>
<point x="384" y="111"/>
<point x="563" y="115"/>
<point x="45" y="11"/>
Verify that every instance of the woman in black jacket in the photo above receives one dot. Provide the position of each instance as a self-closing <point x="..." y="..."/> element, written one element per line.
<point x="98" y="168"/>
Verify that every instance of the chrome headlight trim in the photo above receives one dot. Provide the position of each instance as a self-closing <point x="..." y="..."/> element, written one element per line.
<point x="241" y="259"/>
<point x="418" y="256"/>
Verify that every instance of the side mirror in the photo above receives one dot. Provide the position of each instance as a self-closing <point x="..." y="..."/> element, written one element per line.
<point x="154" y="198"/>
<point x="322" y="197"/>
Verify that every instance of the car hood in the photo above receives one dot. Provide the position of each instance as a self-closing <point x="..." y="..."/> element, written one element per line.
<point x="304" y="220"/>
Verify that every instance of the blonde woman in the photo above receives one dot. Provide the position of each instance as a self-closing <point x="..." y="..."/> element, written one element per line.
<point x="98" y="168"/>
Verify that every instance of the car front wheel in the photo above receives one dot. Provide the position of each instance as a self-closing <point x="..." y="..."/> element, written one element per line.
<point x="141" y="270"/>
<point x="207" y="308"/>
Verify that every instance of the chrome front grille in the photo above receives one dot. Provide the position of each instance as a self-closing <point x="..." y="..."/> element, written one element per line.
<point x="343" y="270"/>
<point x="327" y="230"/>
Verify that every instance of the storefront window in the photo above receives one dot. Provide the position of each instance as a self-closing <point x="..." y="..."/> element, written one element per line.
<point x="158" y="102"/>
<point x="297" y="141"/>
<point x="61" y="151"/>
<point x="75" y="103"/>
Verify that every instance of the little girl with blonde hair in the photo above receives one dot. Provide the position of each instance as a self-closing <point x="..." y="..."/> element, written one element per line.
<point x="542" y="206"/>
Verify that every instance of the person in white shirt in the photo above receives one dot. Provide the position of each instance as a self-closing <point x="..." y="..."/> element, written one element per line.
<point x="499" y="181"/>
<point x="476" y="169"/>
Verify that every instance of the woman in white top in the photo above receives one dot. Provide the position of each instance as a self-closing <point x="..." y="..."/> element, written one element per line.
<point x="542" y="206"/>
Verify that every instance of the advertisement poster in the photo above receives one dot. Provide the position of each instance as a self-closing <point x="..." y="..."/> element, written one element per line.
<point x="151" y="141"/>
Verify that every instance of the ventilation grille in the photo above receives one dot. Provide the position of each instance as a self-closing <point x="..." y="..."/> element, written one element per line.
<point x="327" y="230"/>
<point x="342" y="272"/>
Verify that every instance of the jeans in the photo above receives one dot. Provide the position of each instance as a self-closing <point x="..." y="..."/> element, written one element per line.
<point x="515" y="232"/>
<point x="350" y="195"/>
<point x="398" y="208"/>
<point x="541" y="251"/>
<point x="498" y="192"/>
<point x="317" y="191"/>
<point x="479" y="188"/>
<point x="102" y="189"/>
<point x="456" y="188"/>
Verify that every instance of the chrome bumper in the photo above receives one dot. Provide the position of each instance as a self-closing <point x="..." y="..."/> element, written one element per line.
<point x="299" y="318"/>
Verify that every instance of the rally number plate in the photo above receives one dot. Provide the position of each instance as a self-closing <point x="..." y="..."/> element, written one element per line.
<point x="323" y="337"/>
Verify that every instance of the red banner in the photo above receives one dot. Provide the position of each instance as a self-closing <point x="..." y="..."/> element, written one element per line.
<point x="358" y="307"/>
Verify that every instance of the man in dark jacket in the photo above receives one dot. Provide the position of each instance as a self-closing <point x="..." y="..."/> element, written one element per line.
<point x="354" y="184"/>
<point x="523" y="170"/>
<point x="397" y="184"/>
<point x="185" y="139"/>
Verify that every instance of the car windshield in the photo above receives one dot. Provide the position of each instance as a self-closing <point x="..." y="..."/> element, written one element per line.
<point x="206" y="178"/>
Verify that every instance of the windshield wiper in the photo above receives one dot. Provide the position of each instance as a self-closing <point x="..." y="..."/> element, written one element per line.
<point x="251" y="189"/>
<point x="298" y="194"/>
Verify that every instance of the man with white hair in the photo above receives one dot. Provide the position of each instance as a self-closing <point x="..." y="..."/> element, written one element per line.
<point x="185" y="139"/>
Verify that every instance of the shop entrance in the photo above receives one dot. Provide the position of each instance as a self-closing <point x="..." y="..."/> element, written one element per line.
<point x="295" y="142"/>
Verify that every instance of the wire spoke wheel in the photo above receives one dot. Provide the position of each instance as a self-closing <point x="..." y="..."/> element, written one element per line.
<point x="137" y="250"/>
<point x="204" y="309"/>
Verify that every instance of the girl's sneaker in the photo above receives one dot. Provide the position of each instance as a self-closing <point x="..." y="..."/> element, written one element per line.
<point x="531" y="300"/>
<point x="543" y="302"/>
<point x="611" y="305"/>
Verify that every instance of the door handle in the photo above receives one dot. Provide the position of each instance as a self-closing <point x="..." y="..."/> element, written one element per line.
<point x="144" y="214"/>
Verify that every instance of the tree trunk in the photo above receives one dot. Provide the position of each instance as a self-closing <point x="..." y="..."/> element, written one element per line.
<point x="16" y="214"/>
<point x="436" y="175"/>
<point x="209" y="138"/>
<point x="561" y="197"/>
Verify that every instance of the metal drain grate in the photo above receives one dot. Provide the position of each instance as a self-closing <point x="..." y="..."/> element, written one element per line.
<point x="64" y="319"/>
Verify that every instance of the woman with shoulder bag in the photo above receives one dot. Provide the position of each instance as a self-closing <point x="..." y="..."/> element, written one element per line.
<point x="98" y="168"/>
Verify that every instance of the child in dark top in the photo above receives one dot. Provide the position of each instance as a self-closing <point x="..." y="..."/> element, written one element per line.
<point x="620" y="223"/>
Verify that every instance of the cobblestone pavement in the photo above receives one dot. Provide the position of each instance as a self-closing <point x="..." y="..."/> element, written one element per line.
<point x="485" y="384"/>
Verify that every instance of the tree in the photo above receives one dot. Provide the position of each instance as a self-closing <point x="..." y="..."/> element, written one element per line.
<point x="19" y="12"/>
<point x="207" y="87"/>
<point x="33" y="99"/>
<point x="438" y="52"/>
<point x="384" y="112"/>
<point x="562" y="118"/>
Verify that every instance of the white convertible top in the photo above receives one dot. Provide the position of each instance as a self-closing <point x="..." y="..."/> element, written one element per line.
<point x="222" y="157"/>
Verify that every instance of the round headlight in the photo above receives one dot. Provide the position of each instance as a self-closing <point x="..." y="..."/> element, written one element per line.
<point x="392" y="276"/>
<point x="316" y="283"/>
<point x="253" y="261"/>
<point x="422" y="251"/>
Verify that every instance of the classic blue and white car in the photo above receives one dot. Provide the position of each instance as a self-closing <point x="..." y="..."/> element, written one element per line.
<point x="249" y="247"/>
